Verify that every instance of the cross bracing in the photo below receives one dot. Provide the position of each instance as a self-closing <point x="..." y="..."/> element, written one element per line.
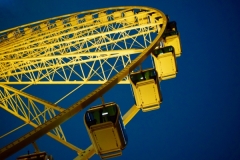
<point x="32" y="110"/>
<point x="80" y="48"/>
<point x="73" y="53"/>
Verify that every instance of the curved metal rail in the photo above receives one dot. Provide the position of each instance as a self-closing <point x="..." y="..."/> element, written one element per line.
<point x="74" y="109"/>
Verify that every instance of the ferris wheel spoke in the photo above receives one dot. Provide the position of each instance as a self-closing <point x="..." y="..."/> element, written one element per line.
<point x="80" y="48"/>
<point x="34" y="71"/>
<point x="60" y="48"/>
<point x="65" y="42"/>
<point x="33" y="111"/>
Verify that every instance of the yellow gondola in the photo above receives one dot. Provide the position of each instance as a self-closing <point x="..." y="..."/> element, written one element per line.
<point x="146" y="89"/>
<point x="165" y="62"/>
<point x="106" y="130"/>
<point x="171" y="37"/>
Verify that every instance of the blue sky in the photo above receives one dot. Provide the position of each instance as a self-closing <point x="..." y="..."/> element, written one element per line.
<point x="199" y="116"/>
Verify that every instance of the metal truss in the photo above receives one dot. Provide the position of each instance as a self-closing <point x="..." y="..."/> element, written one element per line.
<point x="90" y="151"/>
<point x="75" y="51"/>
<point x="33" y="111"/>
<point x="89" y="47"/>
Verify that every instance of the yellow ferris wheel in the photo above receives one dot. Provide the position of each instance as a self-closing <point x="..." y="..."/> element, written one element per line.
<point x="101" y="46"/>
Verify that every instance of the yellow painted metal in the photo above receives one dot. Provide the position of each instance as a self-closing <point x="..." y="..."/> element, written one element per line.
<point x="59" y="24"/>
<point x="52" y="135"/>
<point x="147" y="95"/>
<point x="88" y="18"/>
<point x="100" y="132"/>
<point x="71" y="111"/>
<point x="130" y="114"/>
<point x="86" y="154"/>
<point x="44" y="27"/>
<point x="174" y="41"/>
<point x="27" y="31"/>
<point x="33" y="98"/>
<point x="130" y="17"/>
<point x="39" y="42"/>
<point x="10" y="35"/>
<point x="73" y="20"/>
<point x="35" y="147"/>
<point x="90" y="151"/>
<point x="143" y="17"/>
<point x="69" y="82"/>
<point x="103" y="17"/>
<point x="165" y="65"/>
<point x="107" y="138"/>
<point x="117" y="15"/>
<point x="57" y="134"/>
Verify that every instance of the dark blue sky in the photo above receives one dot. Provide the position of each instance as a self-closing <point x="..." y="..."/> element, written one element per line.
<point x="200" y="114"/>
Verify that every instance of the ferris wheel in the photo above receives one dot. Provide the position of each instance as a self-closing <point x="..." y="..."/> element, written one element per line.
<point x="101" y="46"/>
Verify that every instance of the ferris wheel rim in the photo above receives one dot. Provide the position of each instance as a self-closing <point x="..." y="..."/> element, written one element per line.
<point x="74" y="13"/>
<point x="71" y="111"/>
<point x="18" y="75"/>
